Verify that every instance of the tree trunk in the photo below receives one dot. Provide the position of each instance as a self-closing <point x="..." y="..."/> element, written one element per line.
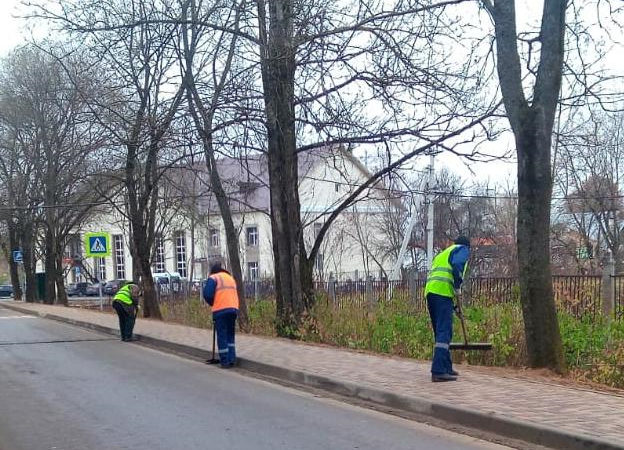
<point x="543" y="340"/>
<point x="50" y="268"/>
<point x="13" y="266"/>
<point x="26" y="238"/>
<point x="143" y="253"/>
<point x="142" y="210"/>
<point x="532" y="125"/>
<point x="231" y="236"/>
<point x="61" y="294"/>
<point x="278" y="78"/>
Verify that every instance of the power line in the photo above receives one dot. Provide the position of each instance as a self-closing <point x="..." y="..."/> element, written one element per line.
<point x="460" y="195"/>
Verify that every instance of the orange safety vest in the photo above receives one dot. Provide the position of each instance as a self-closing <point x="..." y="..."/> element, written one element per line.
<point x="226" y="295"/>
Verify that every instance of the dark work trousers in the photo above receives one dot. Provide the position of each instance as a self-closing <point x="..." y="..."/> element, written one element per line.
<point x="441" y="313"/>
<point x="225" y="324"/>
<point x="126" y="319"/>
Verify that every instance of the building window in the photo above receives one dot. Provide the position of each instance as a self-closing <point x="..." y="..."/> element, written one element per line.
<point x="159" y="255"/>
<point x="214" y="237"/>
<point x="253" y="272"/>
<point x="337" y="186"/>
<point x="101" y="269"/>
<point x="180" y="242"/>
<point x="120" y="257"/>
<point x="317" y="229"/>
<point x="318" y="263"/>
<point x="252" y="236"/>
<point x="73" y="248"/>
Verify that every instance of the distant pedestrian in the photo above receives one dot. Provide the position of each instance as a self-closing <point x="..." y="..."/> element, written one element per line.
<point x="126" y="304"/>
<point x="443" y="283"/>
<point x="220" y="292"/>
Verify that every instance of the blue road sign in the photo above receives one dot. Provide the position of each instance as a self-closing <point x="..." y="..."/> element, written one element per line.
<point x="97" y="245"/>
<point x="18" y="256"/>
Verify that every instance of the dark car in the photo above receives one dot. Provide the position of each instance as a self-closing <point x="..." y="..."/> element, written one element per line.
<point x="94" y="289"/>
<point x="112" y="287"/>
<point x="77" y="289"/>
<point x="6" y="290"/>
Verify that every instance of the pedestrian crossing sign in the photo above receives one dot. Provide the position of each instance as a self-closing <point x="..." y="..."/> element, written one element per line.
<point x="97" y="245"/>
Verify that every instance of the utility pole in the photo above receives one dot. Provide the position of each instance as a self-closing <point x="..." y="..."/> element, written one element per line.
<point x="396" y="271"/>
<point x="430" y="212"/>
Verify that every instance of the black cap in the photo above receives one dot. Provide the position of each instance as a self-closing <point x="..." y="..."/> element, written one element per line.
<point x="463" y="240"/>
<point x="216" y="267"/>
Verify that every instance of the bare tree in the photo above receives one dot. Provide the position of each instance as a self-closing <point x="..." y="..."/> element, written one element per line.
<point x="589" y="176"/>
<point x="319" y="67"/>
<point x="140" y="94"/>
<point x="212" y="96"/>
<point x="532" y="124"/>
<point x="312" y="72"/>
<point x="20" y="169"/>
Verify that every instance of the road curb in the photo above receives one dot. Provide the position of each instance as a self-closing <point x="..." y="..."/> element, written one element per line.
<point x="491" y="422"/>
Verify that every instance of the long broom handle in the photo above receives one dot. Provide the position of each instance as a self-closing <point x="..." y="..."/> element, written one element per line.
<point x="460" y="313"/>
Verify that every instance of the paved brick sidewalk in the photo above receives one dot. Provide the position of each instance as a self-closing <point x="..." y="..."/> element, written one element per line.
<point x="573" y="410"/>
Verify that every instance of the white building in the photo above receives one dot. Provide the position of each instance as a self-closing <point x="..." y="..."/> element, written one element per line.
<point x="354" y="248"/>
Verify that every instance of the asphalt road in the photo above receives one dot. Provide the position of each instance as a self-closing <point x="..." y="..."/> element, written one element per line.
<point x="67" y="388"/>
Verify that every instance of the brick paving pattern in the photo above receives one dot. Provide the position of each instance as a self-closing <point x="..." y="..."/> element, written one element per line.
<point x="575" y="410"/>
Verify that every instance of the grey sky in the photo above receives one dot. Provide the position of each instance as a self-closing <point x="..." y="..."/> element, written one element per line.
<point x="10" y="26"/>
<point x="503" y="173"/>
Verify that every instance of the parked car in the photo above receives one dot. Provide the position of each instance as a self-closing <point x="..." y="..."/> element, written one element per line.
<point x="77" y="289"/>
<point x="167" y="282"/>
<point x="112" y="287"/>
<point x="6" y="290"/>
<point x="94" y="289"/>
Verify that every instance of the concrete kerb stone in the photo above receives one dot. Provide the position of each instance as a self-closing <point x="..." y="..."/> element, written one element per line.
<point x="488" y="422"/>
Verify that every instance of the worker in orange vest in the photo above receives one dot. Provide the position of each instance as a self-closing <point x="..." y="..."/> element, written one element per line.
<point x="220" y="292"/>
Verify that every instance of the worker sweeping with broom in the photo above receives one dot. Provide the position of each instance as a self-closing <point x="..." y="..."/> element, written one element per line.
<point x="220" y="292"/>
<point x="443" y="282"/>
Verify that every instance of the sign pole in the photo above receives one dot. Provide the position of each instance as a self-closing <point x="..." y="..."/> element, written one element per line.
<point x="100" y="285"/>
<point x="98" y="245"/>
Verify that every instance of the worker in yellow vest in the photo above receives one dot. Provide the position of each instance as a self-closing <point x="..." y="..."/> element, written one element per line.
<point x="220" y="292"/>
<point x="126" y="304"/>
<point x="443" y="282"/>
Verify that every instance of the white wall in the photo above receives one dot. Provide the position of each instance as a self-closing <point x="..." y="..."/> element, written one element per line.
<point x="348" y="247"/>
<point x="351" y="243"/>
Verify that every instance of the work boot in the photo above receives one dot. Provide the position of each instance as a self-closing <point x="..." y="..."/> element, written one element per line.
<point x="436" y="378"/>
<point x="454" y="373"/>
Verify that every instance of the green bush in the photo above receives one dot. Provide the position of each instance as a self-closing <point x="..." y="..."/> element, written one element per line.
<point x="594" y="348"/>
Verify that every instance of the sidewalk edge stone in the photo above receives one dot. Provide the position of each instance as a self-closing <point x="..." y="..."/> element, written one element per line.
<point x="489" y="422"/>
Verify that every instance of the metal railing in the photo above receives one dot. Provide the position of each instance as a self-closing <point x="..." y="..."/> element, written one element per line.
<point x="618" y="296"/>
<point x="577" y="294"/>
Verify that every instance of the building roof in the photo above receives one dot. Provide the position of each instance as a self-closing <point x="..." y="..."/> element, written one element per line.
<point x="246" y="179"/>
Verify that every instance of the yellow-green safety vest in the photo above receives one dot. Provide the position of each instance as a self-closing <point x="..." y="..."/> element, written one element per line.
<point x="440" y="279"/>
<point x="123" y="294"/>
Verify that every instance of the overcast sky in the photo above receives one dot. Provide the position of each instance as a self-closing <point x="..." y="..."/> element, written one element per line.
<point x="13" y="34"/>
<point x="10" y="26"/>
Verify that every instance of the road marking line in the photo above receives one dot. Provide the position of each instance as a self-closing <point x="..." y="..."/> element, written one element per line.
<point x="19" y="317"/>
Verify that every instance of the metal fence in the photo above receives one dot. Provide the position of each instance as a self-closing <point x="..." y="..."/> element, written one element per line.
<point x="618" y="295"/>
<point x="577" y="294"/>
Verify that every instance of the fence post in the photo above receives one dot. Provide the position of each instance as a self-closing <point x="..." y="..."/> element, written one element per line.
<point x="369" y="291"/>
<point x="608" y="285"/>
<point x="332" y="289"/>
<point x="412" y="287"/>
